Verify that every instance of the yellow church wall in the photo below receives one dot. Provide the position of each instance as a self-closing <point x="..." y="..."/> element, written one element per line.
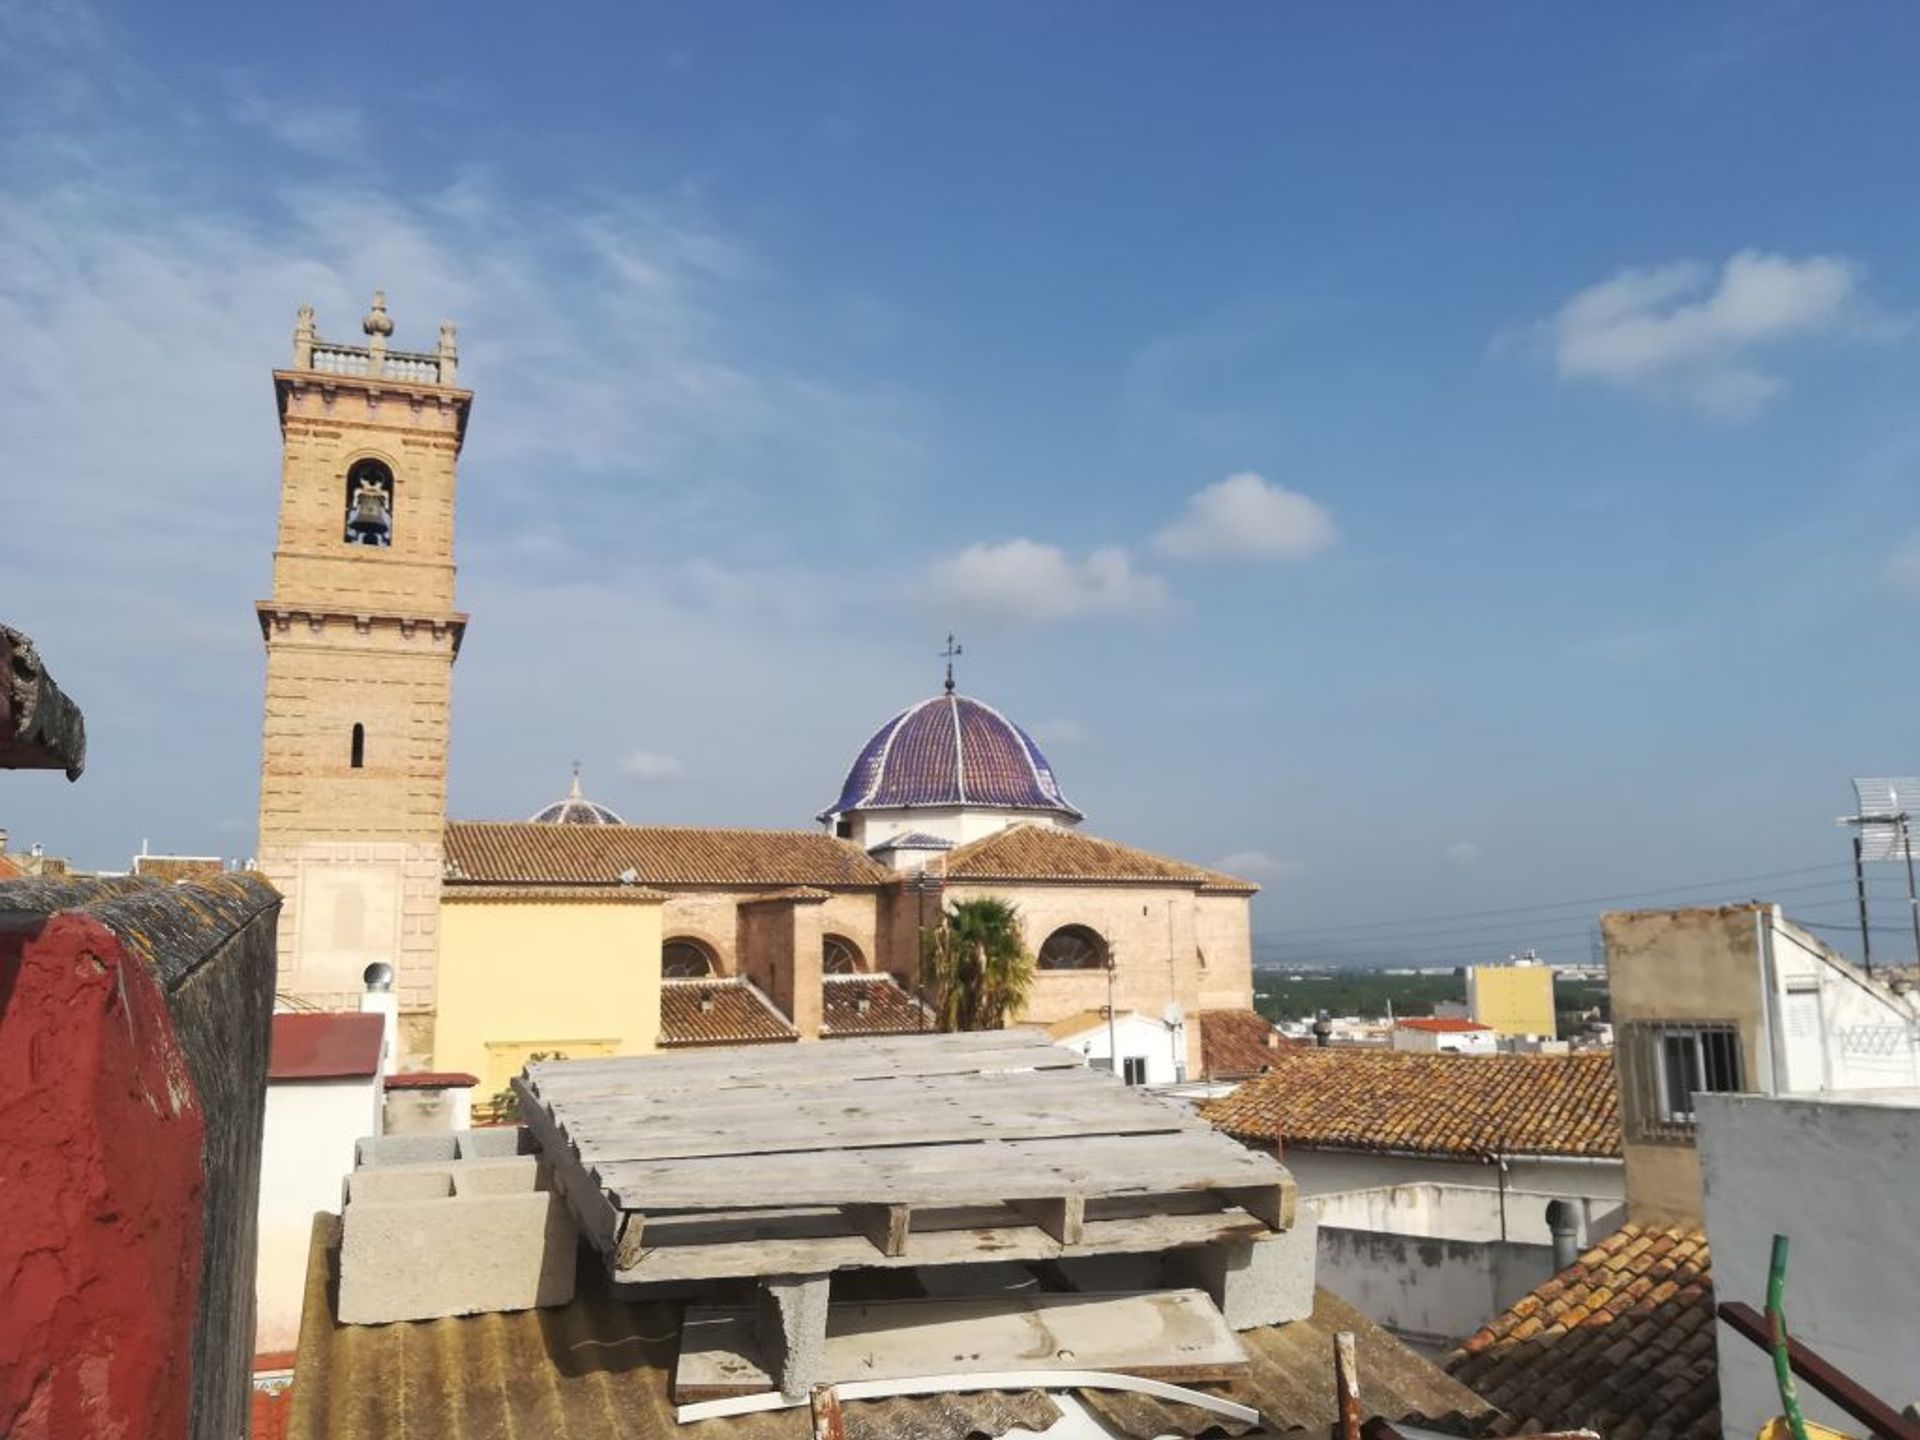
<point x="1223" y="930"/>
<point x="1513" y="999"/>
<point x="519" y="976"/>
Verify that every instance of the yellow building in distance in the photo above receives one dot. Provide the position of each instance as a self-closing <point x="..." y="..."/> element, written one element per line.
<point x="1516" y="999"/>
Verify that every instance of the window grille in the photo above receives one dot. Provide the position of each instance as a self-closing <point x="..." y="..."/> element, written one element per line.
<point x="1664" y="1065"/>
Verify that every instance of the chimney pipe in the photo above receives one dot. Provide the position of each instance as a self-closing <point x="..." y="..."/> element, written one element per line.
<point x="1565" y="1232"/>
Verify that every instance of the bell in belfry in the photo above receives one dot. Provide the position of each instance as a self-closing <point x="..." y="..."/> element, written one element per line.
<point x="369" y="522"/>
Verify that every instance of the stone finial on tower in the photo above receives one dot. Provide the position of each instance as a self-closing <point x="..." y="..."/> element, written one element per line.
<point x="448" y="352"/>
<point x="303" y="338"/>
<point x="378" y="322"/>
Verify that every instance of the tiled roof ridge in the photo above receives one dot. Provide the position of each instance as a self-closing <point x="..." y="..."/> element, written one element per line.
<point x="1468" y="1106"/>
<point x="782" y="832"/>
<point x="1148" y="865"/>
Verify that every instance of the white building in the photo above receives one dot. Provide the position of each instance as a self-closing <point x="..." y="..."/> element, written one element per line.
<point x="1837" y="1174"/>
<point x="1444" y="1036"/>
<point x="1152" y="1052"/>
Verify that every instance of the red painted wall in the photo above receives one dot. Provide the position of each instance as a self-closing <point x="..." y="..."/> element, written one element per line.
<point x="100" y="1190"/>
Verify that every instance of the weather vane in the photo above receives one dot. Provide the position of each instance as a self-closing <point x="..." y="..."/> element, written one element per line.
<point x="948" y="655"/>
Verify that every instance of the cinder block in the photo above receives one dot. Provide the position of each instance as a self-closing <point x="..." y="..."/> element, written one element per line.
<point x="1268" y="1281"/>
<point x="418" y="1242"/>
<point x="791" y="1326"/>
<point x="386" y="1150"/>
<point x="494" y="1143"/>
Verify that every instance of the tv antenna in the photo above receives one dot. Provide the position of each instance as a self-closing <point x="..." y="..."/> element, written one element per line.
<point x="1883" y="832"/>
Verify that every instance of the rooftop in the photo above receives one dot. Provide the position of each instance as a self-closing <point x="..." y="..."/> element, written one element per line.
<point x="1461" y="1106"/>
<point x="721" y="1011"/>
<point x="1621" y="1341"/>
<point x="600" y="1368"/>
<point x="575" y="809"/>
<point x="487" y="852"/>
<point x="1047" y="853"/>
<point x="869" y="1005"/>
<point x="326" y="1046"/>
<point x="1442" y="1025"/>
<point x="1237" y="1043"/>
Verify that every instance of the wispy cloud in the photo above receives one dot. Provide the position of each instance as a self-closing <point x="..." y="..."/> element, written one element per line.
<point x="1257" y="865"/>
<point x="647" y="765"/>
<point x="1686" y="333"/>
<point x="1245" y="517"/>
<point x="1462" y="854"/>
<point x="1059" y="731"/>
<point x="1902" y="568"/>
<point x="1024" y="581"/>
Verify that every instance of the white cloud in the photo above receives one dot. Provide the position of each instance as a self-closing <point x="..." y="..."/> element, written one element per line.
<point x="1026" y="581"/>
<point x="1256" y="865"/>
<point x="1060" y="731"/>
<point x="1679" y="332"/>
<point x="1462" y="853"/>
<point x="1245" y="517"/>
<point x="649" y="765"/>
<point x="1902" y="570"/>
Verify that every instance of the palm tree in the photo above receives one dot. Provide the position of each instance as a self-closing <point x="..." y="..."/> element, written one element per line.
<point x="975" y="965"/>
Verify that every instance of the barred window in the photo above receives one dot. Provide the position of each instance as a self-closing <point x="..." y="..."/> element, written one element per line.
<point x="1663" y="1066"/>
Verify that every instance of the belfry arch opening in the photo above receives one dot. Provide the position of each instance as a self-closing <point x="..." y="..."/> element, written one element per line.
<point x="369" y="514"/>
<point x="1074" y="947"/>
<point x="684" y="958"/>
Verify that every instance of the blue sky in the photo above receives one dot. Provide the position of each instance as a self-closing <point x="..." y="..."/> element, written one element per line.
<point x="1435" y="459"/>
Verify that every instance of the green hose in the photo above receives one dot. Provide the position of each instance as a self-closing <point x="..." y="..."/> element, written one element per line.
<point x="1777" y="1324"/>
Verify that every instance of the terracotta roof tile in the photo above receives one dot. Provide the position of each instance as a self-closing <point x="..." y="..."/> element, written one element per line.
<point x="1468" y="1106"/>
<point x="719" y="1012"/>
<point x="1646" y="1368"/>
<point x="178" y="867"/>
<point x="869" y="1005"/>
<point x="523" y="853"/>
<point x="1045" y="852"/>
<point x="1237" y="1043"/>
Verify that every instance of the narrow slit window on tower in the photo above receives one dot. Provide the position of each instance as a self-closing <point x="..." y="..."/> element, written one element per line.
<point x="359" y="745"/>
<point x="369" y="516"/>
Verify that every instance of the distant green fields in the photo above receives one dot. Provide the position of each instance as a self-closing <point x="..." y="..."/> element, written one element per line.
<point x="1368" y="992"/>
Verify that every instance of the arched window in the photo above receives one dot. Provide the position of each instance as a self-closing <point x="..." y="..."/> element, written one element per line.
<point x="682" y="958"/>
<point x="840" y="956"/>
<point x="369" y="515"/>
<point x="358" y="758"/>
<point x="1073" y="947"/>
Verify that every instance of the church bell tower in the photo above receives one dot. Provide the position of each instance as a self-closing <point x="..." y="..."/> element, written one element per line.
<point x="361" y="635"/>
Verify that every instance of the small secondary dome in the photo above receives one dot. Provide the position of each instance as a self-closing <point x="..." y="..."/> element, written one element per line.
<point x="576" y="809"/>
<point x="951" y="750"/>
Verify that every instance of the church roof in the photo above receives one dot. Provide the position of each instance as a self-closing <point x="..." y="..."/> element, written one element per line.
<point x="576" y="809"/>
<point x="490" y="852"/>
<point x="951" y="750"/>
<point x="1047" y="853"/>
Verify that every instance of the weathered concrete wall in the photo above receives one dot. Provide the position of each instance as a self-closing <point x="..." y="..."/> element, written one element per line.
<point x="208" y="949"/>
<point x="1431" y="1293"/>
<point x="1837" y="1174"/>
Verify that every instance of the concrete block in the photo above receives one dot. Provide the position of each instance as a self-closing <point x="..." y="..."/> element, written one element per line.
<point x="791" y="1326"/>
<point x="494" y="1143"/>
<point x="384" y="1150"/>
<point x="1268" y="1281"/>
<point x="418" y="1241"/>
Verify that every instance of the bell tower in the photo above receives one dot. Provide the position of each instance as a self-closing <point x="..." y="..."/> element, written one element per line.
<point x="361" y="635"/>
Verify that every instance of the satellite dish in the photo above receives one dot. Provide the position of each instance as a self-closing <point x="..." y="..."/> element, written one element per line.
<point x="1175" y="1016"/>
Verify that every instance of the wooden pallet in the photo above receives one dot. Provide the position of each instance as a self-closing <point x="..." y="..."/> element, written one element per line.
<point x="907" y="1150"/>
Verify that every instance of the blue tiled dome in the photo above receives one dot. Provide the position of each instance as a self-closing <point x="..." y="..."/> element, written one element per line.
<point x="951" y="750"/>
<point x="576" y="809"/>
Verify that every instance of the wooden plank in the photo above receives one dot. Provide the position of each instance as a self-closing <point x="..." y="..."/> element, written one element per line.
<point x="943" y="1174"/>
<point x="1063" y="1218"/>
<point x="1274" y="1203"/>
<point x="818" y="1256"/>
<point x="1169" y="1335"/>
<point x="885" y="1225"/>
<point x="596" y="1213"/>
<point x="816" y="1129"/>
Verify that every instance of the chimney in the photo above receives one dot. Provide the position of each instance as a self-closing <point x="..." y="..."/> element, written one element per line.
<point x="860" y="1005"/>
<point x="380" y="1000"/>
<point x="1566" y="1235"/>
<point x="706" y="1002"/>
<point x="3" y="840"/>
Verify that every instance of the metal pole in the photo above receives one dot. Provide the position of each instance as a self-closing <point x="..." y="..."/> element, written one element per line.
<point x="1860" y="894"/>
<point x="1913" y="900"/>
<point x="1113" y="1029"/>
